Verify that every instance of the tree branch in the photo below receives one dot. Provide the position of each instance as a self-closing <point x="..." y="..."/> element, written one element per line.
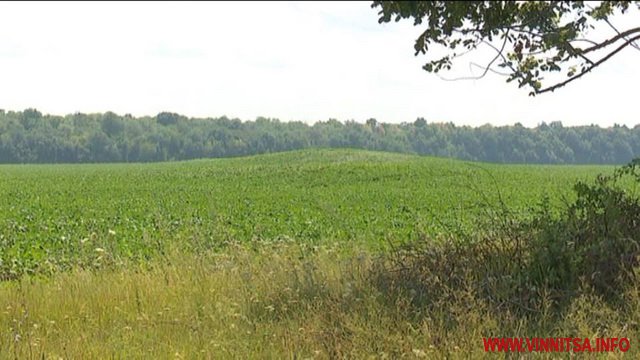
<point x="585" y="40"/>
<point x="499" y="51"/>
<point x="633" y="45"/>
<point x="596" y="64"/>
<point x="486" y="69"/>
<point x="622" y="35"/>
<point x="492" y="70"/>
<point x="575" y="51"/>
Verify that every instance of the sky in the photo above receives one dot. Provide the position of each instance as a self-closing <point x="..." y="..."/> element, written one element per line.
<point x="295" y="61"/>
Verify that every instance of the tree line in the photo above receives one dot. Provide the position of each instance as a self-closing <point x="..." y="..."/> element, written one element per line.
<point x="30" y="137"/>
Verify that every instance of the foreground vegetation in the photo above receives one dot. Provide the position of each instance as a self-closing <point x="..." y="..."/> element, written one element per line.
<point x="314" y="254"/>
<point x="272" y="304"/>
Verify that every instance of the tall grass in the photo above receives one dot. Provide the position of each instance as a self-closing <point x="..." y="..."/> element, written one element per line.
<point x="275" y="301"/>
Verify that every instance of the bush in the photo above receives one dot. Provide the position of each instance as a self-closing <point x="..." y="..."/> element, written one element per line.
<point x="595" y="242"/>
<point x="529" y="267"/>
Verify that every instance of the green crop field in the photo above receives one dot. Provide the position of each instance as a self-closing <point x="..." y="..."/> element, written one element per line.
<point x="206" y="258"/>
<point x="53" y="217"/>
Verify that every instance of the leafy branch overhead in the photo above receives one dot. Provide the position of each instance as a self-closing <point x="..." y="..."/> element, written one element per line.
<point x="531" y="40"/>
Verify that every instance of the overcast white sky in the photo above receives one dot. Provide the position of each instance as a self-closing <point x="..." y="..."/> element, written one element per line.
<point x="293" y="61"/>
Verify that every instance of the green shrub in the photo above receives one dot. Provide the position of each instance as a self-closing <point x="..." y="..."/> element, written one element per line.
<point x="595" y="242"/>
<point x="529" y="266"/>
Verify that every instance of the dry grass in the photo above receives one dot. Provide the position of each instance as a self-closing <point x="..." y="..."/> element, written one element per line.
<point x="281" y="301"/>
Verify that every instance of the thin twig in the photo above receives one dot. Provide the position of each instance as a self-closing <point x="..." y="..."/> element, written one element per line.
<point x="488" y="67"/>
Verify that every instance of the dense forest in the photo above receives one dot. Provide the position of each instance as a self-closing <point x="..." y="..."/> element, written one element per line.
<point x="30" y="137"/>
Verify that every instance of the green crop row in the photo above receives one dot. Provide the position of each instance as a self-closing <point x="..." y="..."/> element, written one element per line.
<point x="56" y="217"/>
